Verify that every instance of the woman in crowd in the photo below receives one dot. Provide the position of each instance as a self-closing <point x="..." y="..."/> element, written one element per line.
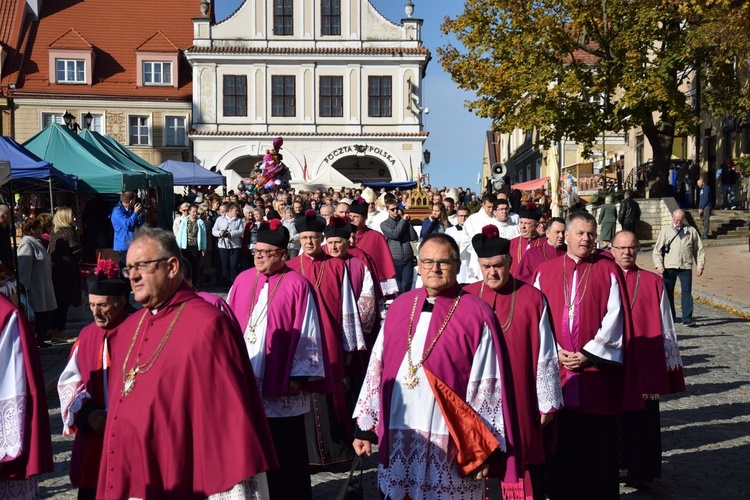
<point x="229" y="230"/>
<point x="183" y="212"/>
<point x="191" y="238"/>
<point x="288" y="221"/>
<point x="607" y="221"/>
<point x="45" y="220"/>
<point x="437" y="222"/>
<point x="66" y="252"/>
<point x="250" y="236"/>
<point x="35" y="274"/>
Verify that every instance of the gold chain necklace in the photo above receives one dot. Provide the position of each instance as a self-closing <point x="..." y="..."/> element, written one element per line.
<point x="252" y="338"/>
<point x="129" y="376"/>
<point x="583" y="281"/>
<point x="504" y="327"/>
<point x="637" y="285"/>
<point x="411" y="380"/>
<point x="320" y="276"/>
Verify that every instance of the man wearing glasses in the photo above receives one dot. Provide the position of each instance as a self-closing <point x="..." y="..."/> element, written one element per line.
<point x="173" y="357"/>
<point x="433" y="395"/>
<point x="377" y="246"/>
<point x="276" y="309"/>
<point x="329" y="423"/>
<point x="659" y="363"/>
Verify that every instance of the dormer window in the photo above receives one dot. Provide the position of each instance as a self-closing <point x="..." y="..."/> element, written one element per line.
<point x="70" y="70"/>
<point x="157" y="73"/>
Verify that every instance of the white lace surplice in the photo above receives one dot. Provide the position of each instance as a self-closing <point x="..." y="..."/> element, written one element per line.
<point x="548" y="389"/>
<point x="12" y="392"/>
<point x="254" y="488"/>
<point x="422" y="456"/>
<point x="307" y="361"/>
<point x="352" y="336"/>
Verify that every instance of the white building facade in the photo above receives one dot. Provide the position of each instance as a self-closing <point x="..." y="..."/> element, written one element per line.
<point x="338" y="81"/>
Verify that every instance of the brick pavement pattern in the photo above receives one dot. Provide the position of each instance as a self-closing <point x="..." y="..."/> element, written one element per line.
<point x="705" y="431"/>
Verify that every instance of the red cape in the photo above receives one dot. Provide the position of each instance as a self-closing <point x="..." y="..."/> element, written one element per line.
<point x="375" y="245"/>
<point x="178" y="434"/>
<point x="518" y="250"/>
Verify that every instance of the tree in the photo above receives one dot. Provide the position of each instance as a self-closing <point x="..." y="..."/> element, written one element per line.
<point x="577" y="69"/>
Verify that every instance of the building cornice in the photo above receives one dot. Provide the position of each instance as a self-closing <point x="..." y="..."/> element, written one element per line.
<point x="97" y="102"/>
<point x="343" y="135"/>
<point x="344" y="51"/>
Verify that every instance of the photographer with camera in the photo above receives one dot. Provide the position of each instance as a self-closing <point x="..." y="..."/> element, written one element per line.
<point x="675" y="250"/>
<point x="229" y="229"/>
<point x="126" y="217"/>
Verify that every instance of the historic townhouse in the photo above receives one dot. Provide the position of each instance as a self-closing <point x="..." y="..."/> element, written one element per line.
<point x="338" y="81"/>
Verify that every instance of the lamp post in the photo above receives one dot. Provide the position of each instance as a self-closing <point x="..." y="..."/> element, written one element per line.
<point x="70" y="121"/>
<point x="87" y="119"/>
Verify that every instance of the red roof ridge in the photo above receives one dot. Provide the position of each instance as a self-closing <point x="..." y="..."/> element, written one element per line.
<point x="71" y="39"/>
<point x="155" y="43"/>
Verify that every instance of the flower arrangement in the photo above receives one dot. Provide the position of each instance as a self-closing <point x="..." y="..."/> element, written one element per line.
<point x="108" y="267"/>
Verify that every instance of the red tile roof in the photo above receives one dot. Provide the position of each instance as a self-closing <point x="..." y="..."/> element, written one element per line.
<point x="70" y="40"/>
<point x="115" y="29"/>
<point x="11" y="18"/>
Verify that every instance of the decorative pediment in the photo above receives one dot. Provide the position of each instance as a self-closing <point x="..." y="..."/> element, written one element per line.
<point x="71" y="40"/>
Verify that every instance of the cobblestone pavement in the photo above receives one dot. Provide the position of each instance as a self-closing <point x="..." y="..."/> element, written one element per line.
<point x="705" y="431"/>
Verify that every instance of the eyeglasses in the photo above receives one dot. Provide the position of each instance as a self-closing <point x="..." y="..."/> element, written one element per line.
<point x="311" y="238"/>
<point x="266" y="253"/>
<point x="394" y="209"/>
<point x="143" y="267"/>
<point x="442" y="264"/>
<point x="627" y="249"/>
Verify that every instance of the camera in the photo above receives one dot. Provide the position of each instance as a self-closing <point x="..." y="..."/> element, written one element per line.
<point x="665" y="249"/>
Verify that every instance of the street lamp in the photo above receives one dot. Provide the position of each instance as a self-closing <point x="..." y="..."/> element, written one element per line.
<point x="68" y="118"/>
<point x="87" y="119"/>
<point x="426" y="156"/>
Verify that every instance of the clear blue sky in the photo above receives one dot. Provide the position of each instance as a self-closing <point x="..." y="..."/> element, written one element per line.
<point x="456" y="138"/>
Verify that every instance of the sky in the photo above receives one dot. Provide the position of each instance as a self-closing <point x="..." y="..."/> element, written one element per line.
<point x="456" y="140"/>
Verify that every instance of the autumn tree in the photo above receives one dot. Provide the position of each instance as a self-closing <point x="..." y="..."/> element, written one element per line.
<point x="576" y="69"/>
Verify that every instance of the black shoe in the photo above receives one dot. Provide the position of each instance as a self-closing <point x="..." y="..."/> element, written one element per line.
<point x="690" y="323"/>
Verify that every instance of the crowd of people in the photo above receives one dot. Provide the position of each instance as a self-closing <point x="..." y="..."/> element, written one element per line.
<point x="520" y="356"/>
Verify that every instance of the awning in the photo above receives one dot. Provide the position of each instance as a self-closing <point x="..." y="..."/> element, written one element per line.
<point x="391" y="185"/>
<point x="30" y="173"/>
<point x="532" y="185"/>
<point x="188" y="173"/>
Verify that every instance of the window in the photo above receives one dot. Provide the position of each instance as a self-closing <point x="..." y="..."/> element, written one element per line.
<point x="235" y="95"/>
<point x="139" y="130"/>
<point x="330" y="17"/>
<point x="331" y="96"/>
<point x="70" y="70"/>
<point x="283" y="102"/>
<point x="379" y="94"/>
<point x="97" y="122"/>
<point x="48" y="118"/>
<point x="174" y="131"/>
<point x="283" y="17"/>
<point x="157" y="73"/>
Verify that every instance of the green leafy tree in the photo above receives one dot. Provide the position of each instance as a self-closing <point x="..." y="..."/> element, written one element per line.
<point x="577" y="69"/>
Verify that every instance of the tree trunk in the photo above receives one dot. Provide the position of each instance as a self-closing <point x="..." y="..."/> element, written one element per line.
<point x="661" y="139"/>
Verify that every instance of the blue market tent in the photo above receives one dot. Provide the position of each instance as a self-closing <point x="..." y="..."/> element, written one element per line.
<point x="97" y="172"/>
<point x="31" y="174"/>
<point x="191" y="174"/>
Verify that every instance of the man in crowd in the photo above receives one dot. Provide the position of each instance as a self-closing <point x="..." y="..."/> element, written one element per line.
<point x="587" y="303"/>
<point x="528" y="238"/>
<point x="329" y="424"/>
<point x="630" y="213"/>
<point x="24" y="407"/>
<point x="382" y="205"/>
<point x="524" y="326"/>
<point x="169" y="451"/>
<point x="450" y="210"/>
<point x="552" y="248"/>
<point x="705" y="204"/>
<point x="448" y="363"/>
<point x="506" y="229"/>
<point x="399" y="234"/>
<point x="6" y="249"/>
<point x="84" y="383"/>
<point x="457" y="232"/>
<point x="342" y="210"/>
<point x="125" y="217"/>
<point x="375" y="245"/>
<point x="675" y="250"/>
<point x="659" y="361"/>
<point x="481" y="218"/>
<point x="326" y="211"/>
<point x="276" y="309"/>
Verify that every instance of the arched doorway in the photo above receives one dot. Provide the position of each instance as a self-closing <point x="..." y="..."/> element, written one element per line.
<point x="359" y="169"/>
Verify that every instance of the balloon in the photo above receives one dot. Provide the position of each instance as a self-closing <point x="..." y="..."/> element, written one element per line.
<point x="268" y="185"/>
<point x="277" y="182"/>
<point x="277" y="143"/>
<point x="241" y="186"/>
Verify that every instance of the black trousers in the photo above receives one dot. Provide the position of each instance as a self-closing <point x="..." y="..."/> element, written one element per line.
<point x="292" y="479"/>
<point x="584" y="466"/>
<point x="640" y="442"/>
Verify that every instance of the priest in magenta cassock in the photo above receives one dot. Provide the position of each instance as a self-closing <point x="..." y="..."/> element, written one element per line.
<point x="375" y="245"/>
<point x="586" y="296"/>
<point x="524" y="322"/>
<point x="435" y="393"/>
<point x="276" y="310"/>
<point x="25" y="442"/>
<point x="185" y="418"/>
<point x="84" y="383"/>
<point x="659" y="361"/>
<point x="553" y="247"/>
<point x="529" y="217"/>
<point x="328" y="425"/>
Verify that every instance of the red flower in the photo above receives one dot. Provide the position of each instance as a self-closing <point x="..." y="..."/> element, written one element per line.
<point x="108" y="267"/>
<point x="274" y="224"/>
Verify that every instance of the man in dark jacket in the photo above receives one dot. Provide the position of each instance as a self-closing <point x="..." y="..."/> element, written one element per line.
<point x="704" y="206"/>
<point x="399" y="233"/>
<point x="630" y="213"/>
